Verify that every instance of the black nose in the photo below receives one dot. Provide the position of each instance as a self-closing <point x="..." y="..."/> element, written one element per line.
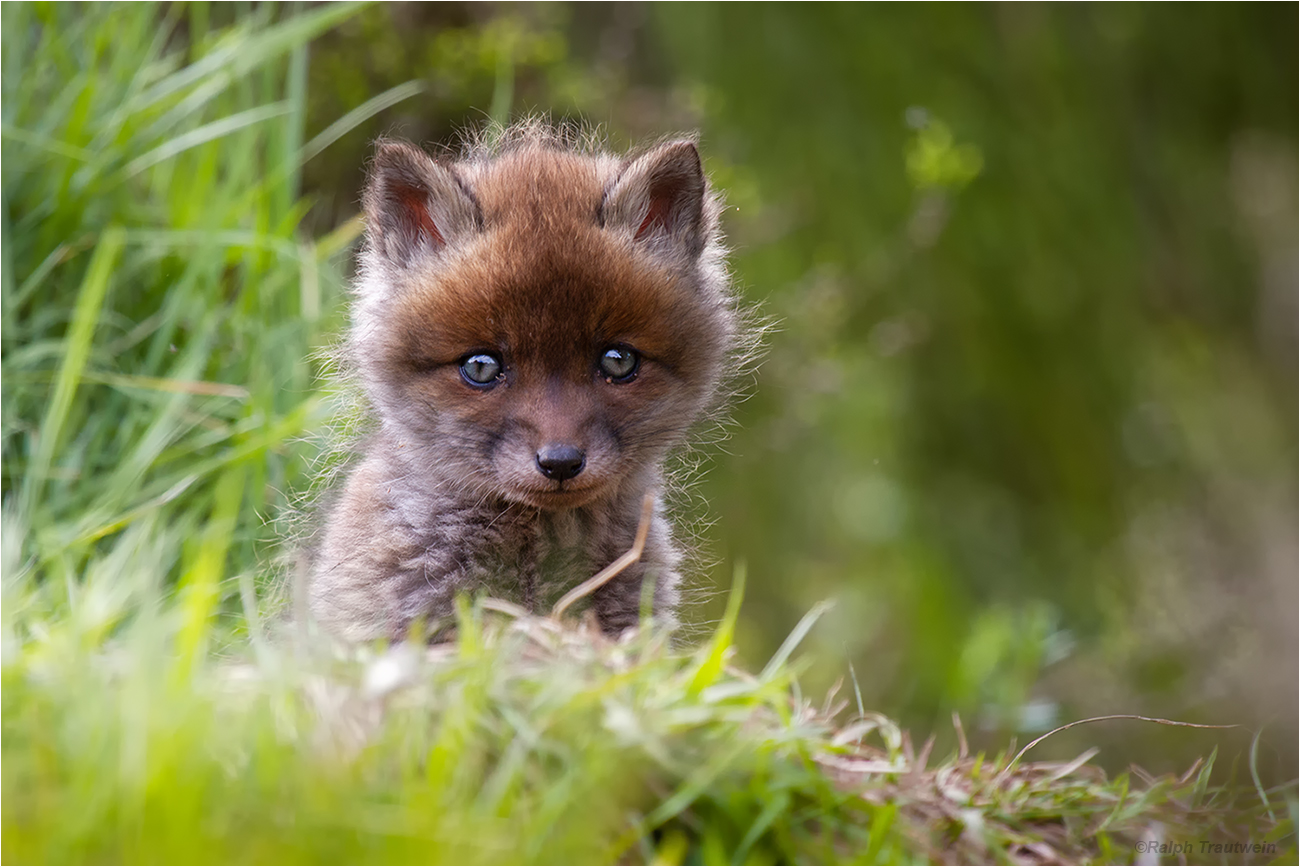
<point x="560" y="462"/>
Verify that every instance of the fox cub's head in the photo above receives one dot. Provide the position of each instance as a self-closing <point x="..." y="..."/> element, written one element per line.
<point x="537" y="323"/>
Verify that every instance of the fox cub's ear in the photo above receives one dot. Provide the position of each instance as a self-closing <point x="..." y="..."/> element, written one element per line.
<point x="660" y="197"/>
<point x="413" y="205"/>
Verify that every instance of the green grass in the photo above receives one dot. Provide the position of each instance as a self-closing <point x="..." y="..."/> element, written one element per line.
<point x="524" y="741"/>
<point x="159" y="307"/>
<point x="159" y="310"/>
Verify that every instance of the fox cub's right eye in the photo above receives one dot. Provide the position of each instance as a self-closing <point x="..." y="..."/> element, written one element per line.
<point x="481" y="369"/>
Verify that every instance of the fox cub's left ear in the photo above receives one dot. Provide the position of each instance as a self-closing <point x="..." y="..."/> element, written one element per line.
<point x="413" y="205"/>
<point x="660" y="198"/>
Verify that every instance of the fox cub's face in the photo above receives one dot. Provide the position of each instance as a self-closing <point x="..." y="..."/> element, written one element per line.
<point x="541" y="325"/>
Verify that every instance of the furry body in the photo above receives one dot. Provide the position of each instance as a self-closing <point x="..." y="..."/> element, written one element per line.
<point x="545" y="271"/>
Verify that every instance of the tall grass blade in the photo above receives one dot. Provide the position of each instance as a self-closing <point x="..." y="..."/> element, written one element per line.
<point x="360" y="115"/>
<point x="85" y="316"/>
<point x="207" y="133"/>
<point x="715" y="653"/>
<point x="795" y="637"/>
<point x="200" y="588"/>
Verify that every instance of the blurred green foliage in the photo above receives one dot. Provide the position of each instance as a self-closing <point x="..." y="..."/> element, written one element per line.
<point x="1035" y="380"/>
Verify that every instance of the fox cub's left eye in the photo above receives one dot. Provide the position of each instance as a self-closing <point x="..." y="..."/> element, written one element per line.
<point x="480" y="369"/>
<point x="619" y="363"/>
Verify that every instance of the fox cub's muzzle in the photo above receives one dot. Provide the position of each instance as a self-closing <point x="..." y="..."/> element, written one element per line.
<point x="560" y="461"/>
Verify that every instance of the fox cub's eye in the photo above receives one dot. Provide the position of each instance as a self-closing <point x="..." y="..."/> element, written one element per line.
<point x="619" y="363"/>
<point x="480" y="369"/>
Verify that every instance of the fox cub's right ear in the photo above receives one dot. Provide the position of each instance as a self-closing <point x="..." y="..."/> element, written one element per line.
<point x="413" y="205"/>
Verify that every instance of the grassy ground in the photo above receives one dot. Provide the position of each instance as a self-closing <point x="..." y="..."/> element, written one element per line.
<point x="524" y="741"/>
<point x="159" y="308"/>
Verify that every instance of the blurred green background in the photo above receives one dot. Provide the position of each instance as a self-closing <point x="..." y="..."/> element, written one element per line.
<point x="1028" y="413"/>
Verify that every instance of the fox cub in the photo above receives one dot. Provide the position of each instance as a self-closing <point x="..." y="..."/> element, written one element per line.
<point x="535" y="326"/>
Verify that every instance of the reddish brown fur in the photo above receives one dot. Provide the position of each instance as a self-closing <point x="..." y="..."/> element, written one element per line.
<point x="544" y="258"/>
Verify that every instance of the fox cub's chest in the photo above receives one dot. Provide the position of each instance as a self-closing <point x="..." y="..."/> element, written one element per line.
<point x="537" y="561"/>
